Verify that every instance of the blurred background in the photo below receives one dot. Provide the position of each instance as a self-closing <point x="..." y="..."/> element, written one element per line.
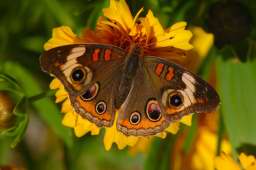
<point x="31" y="134"/>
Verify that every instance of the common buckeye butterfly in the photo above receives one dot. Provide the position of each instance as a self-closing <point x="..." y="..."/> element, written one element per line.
<point x="148" y="92"/>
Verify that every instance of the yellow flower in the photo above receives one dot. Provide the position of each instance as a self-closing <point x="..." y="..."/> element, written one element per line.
<point x="202" y="43"/>
<point x="225" y="162"/>
<point x="202" y="153"/>
<point x="119" y="28"/>
<point x="204" y="145"/>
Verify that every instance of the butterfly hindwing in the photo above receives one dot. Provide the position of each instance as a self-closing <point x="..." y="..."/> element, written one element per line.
<point x="88" y="73"/>
<point x="139" y="113"/>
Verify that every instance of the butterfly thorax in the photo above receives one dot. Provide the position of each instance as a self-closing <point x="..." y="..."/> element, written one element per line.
<point x="129" y="71"/>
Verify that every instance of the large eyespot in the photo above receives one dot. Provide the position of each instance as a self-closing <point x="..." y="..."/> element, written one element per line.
<point x="101" y="107"/>
<point x="91" y="92"/>
<point x="175" y="99"/>
<point x="81" y="75"/>
<point x="135" y="118"/>
<point x="153" y="110"/>
<point x="78" y="75"/>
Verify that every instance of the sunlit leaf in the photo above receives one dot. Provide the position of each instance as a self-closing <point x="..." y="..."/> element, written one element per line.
<point x="237" y="82"/>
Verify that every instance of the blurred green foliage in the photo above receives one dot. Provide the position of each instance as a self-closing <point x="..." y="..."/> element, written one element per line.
<point x="26" y="25"/>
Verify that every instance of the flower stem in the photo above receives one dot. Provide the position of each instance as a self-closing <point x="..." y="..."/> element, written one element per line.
<point x="42" y="95"/>
<point x="220" y="133"/>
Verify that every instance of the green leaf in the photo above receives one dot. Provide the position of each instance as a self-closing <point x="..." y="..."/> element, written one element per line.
<point x="4" y="151"/>
<point x="192" y="132"/>
<point x="21" y="121"/>
<point x="94" y="15"/>
<point x="46" y="108"/>
<point x="236" y="83"/>
<point x="33" y="43"/>
<point x="159" y="156"/>
<point x="8" y="83"/>
<point x="59" y="11"/>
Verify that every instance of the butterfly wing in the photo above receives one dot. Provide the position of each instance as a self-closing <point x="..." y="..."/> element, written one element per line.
<point x="88" y="72"/>
<point x="163" y="92"/>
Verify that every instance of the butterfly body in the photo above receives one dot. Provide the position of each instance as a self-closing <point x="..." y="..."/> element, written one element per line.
<point x="148" y="92"/>
<point x="128" y="73"/>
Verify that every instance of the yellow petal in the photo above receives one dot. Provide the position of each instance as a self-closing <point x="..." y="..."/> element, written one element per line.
<point x="252" y="167"/>
<point x="202" y="41"/>
<point x="119" y="12"/>
<point x="208" y="139"/>
<point x="161" y="135"/>
<point x="61" y="36"/>
<point x="204" y="149"/>
<point x="109" y="138"/>
<point x="225" y="162"/>
<point x="225" y="146"/>
<point x="173" y="127"/>
<point x="141" y="146"/>
<point x="178" y="38"/>
<point x="187" y="120"/>
<point x="69" y="119"/>
<point x="61" y="95"/>
<point x="155" y="24"/>
<point x="178" y="25"/>
<point x="205" y="155"/>
<point x="66" y="106"/>
<point x="55" y="84"/>
<point x="247" y="161"/>
<point x="112" y="135"/>
<point x="83" y="126"/>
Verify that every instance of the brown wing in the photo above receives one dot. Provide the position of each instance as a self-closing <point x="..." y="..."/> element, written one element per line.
<point x="163" y="92"/>
<point x="88" y="72"/>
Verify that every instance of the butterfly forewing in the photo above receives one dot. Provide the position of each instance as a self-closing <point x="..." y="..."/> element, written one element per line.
<point x="89" y="72"/>
<point x="182" y="91"/>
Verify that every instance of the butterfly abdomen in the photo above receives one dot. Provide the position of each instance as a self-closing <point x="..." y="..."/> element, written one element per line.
<point x="128" y="73"/>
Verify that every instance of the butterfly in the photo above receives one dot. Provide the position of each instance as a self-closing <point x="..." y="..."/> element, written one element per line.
<point x="148" y="92"/>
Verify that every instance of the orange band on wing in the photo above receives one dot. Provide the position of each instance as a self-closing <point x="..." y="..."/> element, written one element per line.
<point x="173" y="110"/>
<point x="144" y="124"/>
<point x="95" y="55"/>
<point x="159" y="69"/>
<point x="107" y="54"/>
<point x="170" y="74"/>
<point x="90" y="107"/>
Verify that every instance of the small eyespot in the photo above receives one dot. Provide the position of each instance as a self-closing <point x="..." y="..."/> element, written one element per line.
<point x="78" y="75"/>
<point x="153" y="110"/>
<point x="101" y="107"/>
<point x="90" y="93"/>
<point x="175" y="99"/>
<point x="135" y="118"/>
